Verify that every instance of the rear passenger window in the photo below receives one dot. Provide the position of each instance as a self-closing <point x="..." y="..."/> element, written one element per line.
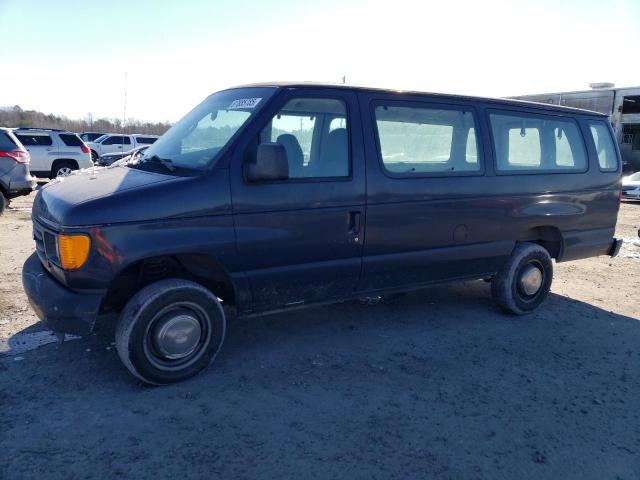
<point x="146" y="140"/>
<point x="607" y="157"/>
<point x="33" y="139"/>
<point x="314" y="134"/>
<point x="536" y="143"/>
<point x="421" y="140"/>
<point x="117" y="140"/>
<point x="71" y="140"/>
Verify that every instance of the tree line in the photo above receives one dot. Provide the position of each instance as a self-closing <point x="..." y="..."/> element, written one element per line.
<point x="17" y="117"/>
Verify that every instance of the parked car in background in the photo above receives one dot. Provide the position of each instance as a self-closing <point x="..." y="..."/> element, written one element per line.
<point x="118" y="143"/>
<point x="90" y="136"/>
<point x="15" y="179"/>
<point x="54" y="153"/>
<point x="108" y="158"/>
<point x="272" y="197"/>
<point x="631" y="187"/>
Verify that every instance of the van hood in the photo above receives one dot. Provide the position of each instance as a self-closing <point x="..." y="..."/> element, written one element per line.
<point x="113" y="195"/>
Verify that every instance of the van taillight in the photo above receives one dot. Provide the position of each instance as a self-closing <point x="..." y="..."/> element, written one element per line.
<point x="18" y="155"/>
<point x="84" y="149"/>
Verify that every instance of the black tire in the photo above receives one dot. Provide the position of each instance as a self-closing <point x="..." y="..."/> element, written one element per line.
<point x="62" y="168"/>
<point x="507" y="287"/>
<point x="94" y="156"/>
<point x="3" y="203"/>
<point x="155" y="307"/>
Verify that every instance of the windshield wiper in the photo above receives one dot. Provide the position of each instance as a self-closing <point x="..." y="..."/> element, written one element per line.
<point x="165" y="162"/>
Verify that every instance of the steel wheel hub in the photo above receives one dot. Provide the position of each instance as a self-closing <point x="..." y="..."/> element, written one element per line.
<point x="63" y="172"/>
<point x="531" y="280"/>
<point x="177" y="336"/>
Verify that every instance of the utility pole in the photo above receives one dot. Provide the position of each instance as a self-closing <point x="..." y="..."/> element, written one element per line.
<point x="124" y="110"/>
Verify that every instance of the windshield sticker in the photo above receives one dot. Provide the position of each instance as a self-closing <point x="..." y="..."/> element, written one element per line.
<point x="244" y="103"/>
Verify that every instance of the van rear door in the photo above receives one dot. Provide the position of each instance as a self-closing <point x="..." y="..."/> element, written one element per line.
<point x="300" y="240"/>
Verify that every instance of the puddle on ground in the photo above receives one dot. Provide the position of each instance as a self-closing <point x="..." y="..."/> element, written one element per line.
<point x="24" y="342"/>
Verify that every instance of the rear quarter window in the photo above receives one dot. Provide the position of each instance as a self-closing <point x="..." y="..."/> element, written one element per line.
<point x="534" y="143"/>
<point x="71" y="140"/>
<point x="605" y="148"/>
<point x="6" y="143"/>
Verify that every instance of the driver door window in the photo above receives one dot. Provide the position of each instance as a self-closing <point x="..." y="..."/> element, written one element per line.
<point x="314" y="133"/>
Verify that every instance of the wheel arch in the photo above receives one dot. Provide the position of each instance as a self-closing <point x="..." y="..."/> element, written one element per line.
<point x="547" y="236"/>
<point x="203" y="269"/>
<point x="58" y="161"/>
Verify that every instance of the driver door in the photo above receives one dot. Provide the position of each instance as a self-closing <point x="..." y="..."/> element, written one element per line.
<point x="300" y="240"/>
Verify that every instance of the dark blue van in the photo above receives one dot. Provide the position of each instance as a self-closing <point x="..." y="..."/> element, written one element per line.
<point x="274" y="196"/>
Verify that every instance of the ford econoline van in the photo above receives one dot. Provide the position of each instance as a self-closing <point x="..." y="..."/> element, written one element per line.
<point x="276" y="196"/>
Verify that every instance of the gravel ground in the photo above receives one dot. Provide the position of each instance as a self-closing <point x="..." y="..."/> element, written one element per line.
<point x="435" y="384"/>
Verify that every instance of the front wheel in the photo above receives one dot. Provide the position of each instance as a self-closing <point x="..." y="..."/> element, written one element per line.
<point x="169" y="331"/>
<point x="525" y="280"/>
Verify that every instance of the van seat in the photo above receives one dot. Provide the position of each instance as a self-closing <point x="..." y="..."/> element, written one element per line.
<point x="334" y="157"/>
<point x="295" y="157"/>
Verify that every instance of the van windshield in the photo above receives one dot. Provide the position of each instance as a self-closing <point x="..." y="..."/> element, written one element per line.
<point x="195" y="141"/>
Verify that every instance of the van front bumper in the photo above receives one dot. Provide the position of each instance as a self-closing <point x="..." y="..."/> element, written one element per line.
<point x="60" y="309"/>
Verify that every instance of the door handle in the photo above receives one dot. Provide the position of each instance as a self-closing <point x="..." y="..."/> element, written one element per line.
<point x="354" y="226"/>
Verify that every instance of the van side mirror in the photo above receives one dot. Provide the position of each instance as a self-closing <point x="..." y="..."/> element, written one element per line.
<point x="269" y="164"/>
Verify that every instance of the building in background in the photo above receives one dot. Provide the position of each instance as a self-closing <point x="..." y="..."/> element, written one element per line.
<point x="621" y="104"/>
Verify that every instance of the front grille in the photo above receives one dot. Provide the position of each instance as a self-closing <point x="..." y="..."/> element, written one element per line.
<point x="45" y="244"/>
<point x="39" y="238"/>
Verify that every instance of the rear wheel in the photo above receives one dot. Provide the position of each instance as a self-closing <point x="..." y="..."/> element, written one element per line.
<point x="63" y="168"/>
<point x="94" y="156"/>
<point x="169" y="331"/>
<point x="3" y="203"/>
<point x="525" y="280"/>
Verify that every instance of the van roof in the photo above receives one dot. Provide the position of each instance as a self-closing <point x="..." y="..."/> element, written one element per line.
<point x="443" y="96"/>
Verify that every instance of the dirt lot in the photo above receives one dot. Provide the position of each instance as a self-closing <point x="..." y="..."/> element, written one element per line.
<point x="436" y="384"/>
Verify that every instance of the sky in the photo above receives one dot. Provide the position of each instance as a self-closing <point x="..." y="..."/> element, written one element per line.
<point x="72" y="57"/>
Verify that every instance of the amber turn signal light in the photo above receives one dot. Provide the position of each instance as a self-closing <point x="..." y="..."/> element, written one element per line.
<point x="73" y="251"/>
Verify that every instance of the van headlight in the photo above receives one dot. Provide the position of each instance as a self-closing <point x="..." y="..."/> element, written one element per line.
<point x="73" y="250"/>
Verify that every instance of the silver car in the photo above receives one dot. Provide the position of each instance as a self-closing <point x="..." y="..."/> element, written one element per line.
<point x="15" y="179"/>
<point x="631" y="186"/>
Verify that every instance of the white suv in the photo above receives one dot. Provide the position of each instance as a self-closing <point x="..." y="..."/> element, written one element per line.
<point x="54" y="152"/>
<point x="117" y="142"/>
